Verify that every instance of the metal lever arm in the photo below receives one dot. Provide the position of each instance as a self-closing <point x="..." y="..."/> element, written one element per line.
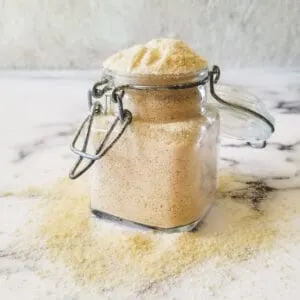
<point x="214" y="76"/>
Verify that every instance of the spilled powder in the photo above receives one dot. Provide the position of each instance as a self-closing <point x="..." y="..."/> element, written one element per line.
<point x="108" y="256"/>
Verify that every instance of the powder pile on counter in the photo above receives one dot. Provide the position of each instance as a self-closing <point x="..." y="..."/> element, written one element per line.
<point x="109" y="256"/>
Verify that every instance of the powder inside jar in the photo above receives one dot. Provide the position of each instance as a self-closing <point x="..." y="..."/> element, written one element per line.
<point x="162" y="171"/>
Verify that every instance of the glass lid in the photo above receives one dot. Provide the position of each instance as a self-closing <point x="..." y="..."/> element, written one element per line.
<point x="243" y="116"/>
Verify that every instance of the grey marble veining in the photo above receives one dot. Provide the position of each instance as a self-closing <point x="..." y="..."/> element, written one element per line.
<point x="38" y="116"/>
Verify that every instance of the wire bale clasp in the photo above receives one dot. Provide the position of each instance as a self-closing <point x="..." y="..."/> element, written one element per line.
<point x="124" y="116"/>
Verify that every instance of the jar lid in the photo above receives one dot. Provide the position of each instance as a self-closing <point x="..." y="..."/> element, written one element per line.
<point x="243" y="115"/>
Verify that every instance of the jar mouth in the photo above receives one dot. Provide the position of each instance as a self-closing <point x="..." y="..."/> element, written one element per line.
<point x="155" y="79"/>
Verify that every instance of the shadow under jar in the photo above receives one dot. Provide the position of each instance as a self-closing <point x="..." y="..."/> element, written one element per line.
<point x="156" y="149"/>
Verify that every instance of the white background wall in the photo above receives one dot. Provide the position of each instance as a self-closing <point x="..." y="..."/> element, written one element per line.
<point x="81" y="33"/>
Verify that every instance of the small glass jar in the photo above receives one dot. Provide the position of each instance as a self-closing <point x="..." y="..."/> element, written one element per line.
<point x="155" y="142"/>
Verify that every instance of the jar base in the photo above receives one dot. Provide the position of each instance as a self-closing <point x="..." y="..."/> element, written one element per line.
<point x="182" y="228"/>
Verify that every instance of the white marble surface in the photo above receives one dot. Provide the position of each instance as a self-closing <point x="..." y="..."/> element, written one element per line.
<point x="38" y="115"/>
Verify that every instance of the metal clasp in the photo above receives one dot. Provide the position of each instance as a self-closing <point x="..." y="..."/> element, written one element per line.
<point x="124" y="117"/>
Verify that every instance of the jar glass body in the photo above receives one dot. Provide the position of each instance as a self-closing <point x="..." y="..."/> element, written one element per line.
<point x="162" y="172"/>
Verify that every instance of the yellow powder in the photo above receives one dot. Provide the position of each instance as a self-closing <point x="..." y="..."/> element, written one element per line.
<point x="30" y="191"/>
<point x="6" y="194"/>
<point x="111" y="256"/>
<point x="157" y="57"/>
<point x="164" y="166"/>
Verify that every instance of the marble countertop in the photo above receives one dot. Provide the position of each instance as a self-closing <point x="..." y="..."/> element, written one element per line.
<point x="39" y="112"/>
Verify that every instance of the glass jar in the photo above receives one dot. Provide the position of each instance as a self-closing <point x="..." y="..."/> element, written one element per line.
<point x="155" y="143"/>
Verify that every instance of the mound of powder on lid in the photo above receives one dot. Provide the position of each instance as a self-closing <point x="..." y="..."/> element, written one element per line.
<point x="157" y="57"/>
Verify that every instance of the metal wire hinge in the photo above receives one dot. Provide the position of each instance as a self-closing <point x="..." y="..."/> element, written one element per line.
<point x="123" y="118"/>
